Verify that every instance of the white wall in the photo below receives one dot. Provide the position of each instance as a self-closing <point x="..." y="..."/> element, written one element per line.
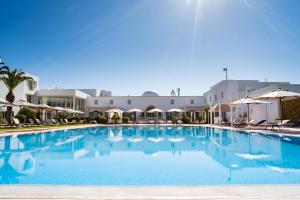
<point x="20" y="92"/>
<point x="142" y="102"/>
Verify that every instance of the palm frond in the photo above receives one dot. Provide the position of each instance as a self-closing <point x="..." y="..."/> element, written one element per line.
<point x="13" y="77"/>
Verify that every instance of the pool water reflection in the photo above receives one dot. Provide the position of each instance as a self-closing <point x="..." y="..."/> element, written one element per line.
<point x="149" y="155"/>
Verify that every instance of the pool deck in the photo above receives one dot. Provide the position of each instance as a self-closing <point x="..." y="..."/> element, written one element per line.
<point x="247" y="192"/>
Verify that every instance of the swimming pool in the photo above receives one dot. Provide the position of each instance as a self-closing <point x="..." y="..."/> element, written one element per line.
<point x="149" y="155"/>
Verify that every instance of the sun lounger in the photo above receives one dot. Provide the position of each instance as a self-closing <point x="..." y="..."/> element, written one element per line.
<point x="260" y="123"/>
<point x="16" y="122"/>
<point x="238" y="123"/>
<point x="110" y="122"/>
<point x="4" y="123"/>
<point x="49" y="122"/>
<point x="61" y="121"/>
<point x="151" y="122"/>
<point x="38" y="122"/>
<point x="93" y="122"/>
<point x="30" y="122"/>
<point x="160" y="121"/>
<point x="278" y="124"/>
<point x="179" y="122"/>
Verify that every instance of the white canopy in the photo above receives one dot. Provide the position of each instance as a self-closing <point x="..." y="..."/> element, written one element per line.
<point x="115" y="110"/>
<point x="249" y="100"/>
<point x="24" y="103"/>
<point x="176" y="110"/>
<point x="135" y="110"/>
<point x="111" y="112"/>
<point x="155" y="110"/>
<point x="280" y="94"/>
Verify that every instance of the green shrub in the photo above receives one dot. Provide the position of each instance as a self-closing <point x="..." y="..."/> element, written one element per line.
<point x="76" y="118"/>
<point x="291" y="109"/>
<point x="87" y="119"/>
<point x="28" y="112"/>
<point x="185" y="118"/>
<point x="101" y="119"/>
<point x="125" y="120"/>
<point x="61" y="115"/>
<point x="21" y="118"/>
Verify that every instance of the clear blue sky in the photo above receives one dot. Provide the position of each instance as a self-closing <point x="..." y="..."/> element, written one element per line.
<point x="129" y="46"/>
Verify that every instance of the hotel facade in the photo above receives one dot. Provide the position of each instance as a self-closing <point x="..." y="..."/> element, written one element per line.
<point x="94" y="102"/>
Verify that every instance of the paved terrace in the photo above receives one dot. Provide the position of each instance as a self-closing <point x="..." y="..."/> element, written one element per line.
<point x="246" y="192"/>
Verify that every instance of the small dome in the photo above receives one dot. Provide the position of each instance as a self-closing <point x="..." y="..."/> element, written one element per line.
<point x="150" y="93"/>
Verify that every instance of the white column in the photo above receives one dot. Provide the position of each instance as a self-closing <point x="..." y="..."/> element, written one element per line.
<point x="231" y="115"/>
<point x="210" y="115"/>
<point x="74" y="101"/>
<point x="44" y="101"/>
<point x="220" y="113"/>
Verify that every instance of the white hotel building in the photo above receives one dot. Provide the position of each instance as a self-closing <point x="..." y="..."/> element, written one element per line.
<point x="93" y="102"/>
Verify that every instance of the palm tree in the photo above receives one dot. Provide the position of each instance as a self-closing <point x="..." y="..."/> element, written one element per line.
<point x="12" y="78"/>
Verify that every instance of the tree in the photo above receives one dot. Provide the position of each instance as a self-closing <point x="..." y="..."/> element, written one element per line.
<point x="12" y="78"/>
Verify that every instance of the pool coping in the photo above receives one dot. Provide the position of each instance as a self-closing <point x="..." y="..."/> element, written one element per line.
<point x="259" y="131"/>
<point x="150" y="192"/>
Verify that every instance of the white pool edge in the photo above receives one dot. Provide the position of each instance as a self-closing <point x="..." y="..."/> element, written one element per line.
<point x="150" y="192"/>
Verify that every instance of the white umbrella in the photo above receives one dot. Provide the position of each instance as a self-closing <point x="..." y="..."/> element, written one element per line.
<point x="45" y="107"/>
<point x="59" y="109"/>
<point x="176" y="110"/>
<point x="249" y="101"/>
<point x="79" y="112"/>
<point x="23" y="103"/>
<point x="281" y="95"/>
<point x="5" y="103"/>
<point x="75" y="111"/>
<point x="155" y="110"/>
<point x="134" y="110"/>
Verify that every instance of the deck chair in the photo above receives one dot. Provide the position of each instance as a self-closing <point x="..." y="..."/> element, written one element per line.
<point x="4" y="123"/>
<point x="16" y="122"/>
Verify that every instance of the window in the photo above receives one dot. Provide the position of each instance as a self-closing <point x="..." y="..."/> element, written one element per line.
<point x="222" y="95"/>
<point x="192" y="101"/>
<point x="129" y="101"/>
<point x="29" y="98"/>
<point x="31" y="85"/>
<point x="205" y="101"/>
<point x="216" y="97"/>
<point x="96" y="101"/>
<point x="209" y="99"/>
<point x="111" y="102"/>
<point x="172" y="101"/>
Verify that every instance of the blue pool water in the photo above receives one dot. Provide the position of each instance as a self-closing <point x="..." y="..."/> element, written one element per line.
<point x="149" y="156"/>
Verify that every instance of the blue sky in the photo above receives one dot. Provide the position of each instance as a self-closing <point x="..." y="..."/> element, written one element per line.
<point x="130" y="46"/>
